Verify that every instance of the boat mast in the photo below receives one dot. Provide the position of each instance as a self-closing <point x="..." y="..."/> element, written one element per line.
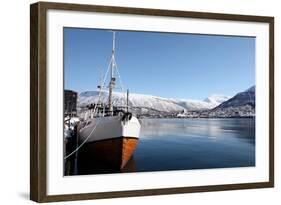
<point x="112" y="78"/>
<point x="127" y="100"/>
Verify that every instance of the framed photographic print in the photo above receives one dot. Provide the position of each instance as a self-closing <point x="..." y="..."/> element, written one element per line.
<point x="134" y="102"/>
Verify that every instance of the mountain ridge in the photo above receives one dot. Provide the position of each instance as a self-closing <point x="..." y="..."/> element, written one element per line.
<point x="242" y="104"/>
<point x="150" y="101"/>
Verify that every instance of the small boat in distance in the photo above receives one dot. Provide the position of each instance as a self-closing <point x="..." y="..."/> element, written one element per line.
<point x="110" y="133"/>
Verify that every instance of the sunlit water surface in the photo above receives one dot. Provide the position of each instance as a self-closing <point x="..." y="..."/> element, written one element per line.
<point x="176" y="144"/>
<point x="183" y="144"/>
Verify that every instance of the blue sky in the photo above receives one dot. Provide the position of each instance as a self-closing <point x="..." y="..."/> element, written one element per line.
<point x="184" y="66"/>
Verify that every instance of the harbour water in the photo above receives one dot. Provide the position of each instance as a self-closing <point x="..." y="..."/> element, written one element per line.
<point x="183" y="144"/>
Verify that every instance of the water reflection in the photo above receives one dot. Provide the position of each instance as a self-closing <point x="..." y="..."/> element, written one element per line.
<point x="85" y="165"/>
<point x="181" y="144"/>
<point x="240" y="128"/>
<point x="176" y="144"/>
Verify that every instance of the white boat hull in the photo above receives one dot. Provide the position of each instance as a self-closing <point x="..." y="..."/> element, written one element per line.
<point x="108" y="128"/>
<point x="110" y="140"/>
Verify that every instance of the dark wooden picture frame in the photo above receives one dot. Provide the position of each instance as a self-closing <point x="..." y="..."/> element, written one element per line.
<point x="38" y="103"/>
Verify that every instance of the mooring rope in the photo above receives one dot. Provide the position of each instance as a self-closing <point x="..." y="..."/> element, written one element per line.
<point x="83" y="141"/>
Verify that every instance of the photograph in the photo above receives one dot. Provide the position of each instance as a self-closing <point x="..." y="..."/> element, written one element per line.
<point x="132" y="101"/>
<point x="141" y="101"/>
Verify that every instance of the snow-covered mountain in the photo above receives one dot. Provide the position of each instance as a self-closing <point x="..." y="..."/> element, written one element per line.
<point x="208" y="103"/>
<point x="152" y="102"/>
<point x="217" y="99"/>
<point x="241" y="105"/>
<point x="248" y="97"/>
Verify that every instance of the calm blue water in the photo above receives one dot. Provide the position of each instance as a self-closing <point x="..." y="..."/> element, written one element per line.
<point x="177" y="144"/>
<point x="182" y="144"/>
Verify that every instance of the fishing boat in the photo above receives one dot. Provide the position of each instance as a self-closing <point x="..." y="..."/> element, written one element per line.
<point x="111" y="133"/>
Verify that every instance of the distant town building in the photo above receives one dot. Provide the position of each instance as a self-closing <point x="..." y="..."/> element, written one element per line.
<point x="70" y="102"/>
